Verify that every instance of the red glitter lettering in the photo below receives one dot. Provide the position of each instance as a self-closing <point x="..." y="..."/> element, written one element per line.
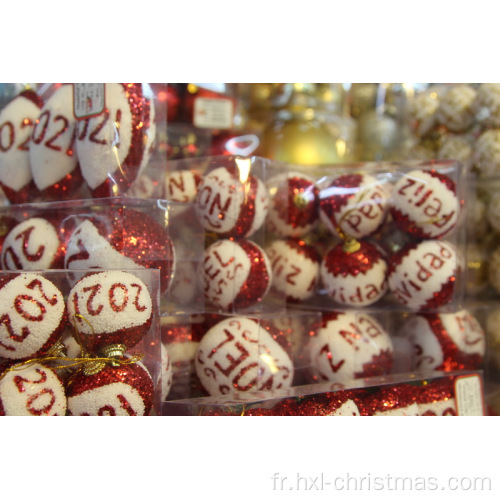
<point x="36" y="283"/>
<point x="409" y="184"/>
<point x="178" y="184"/>
<point x="240" y="374"/>
<point x="24" y="145"/>
<point x="434" y="260"/>
<point x="46" y="409"/>
<point x="106" y="410"/>
<point x="335" y="367"/>
<point x="18" y="306"/>
<point x="126" y="405"/>
<point x="112" y="301"/>
<point x="233" y="362"/>
<point x="136" y="298"/>
<point x="100" y="125"/>
<point x="49" y="143"/>
<point x="20" y="381"/>
<point x="289" y="277"/>
<point x="372" y="330"/>
<point x="352" y="337"/>
<point x="43" y="118"/>
<point x="25" y="236"/>
<point x="229" y="338"/>
<point x="5" y="320"/>
<point x="94" y="289"/>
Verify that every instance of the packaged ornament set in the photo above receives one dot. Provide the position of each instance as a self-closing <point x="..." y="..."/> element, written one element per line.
<point x="215" y="275"/>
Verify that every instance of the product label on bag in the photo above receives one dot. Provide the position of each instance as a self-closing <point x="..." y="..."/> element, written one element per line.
<point x="469" y="395"/>
<point x="213" y="113"/>
<point x="88" y="100"/>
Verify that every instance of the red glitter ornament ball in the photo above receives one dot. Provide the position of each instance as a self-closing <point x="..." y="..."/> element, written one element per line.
<point x="16" y="124"/>
<point x="445" y="341"/>
<point x="122" y="238"/>
<point x="53" y="159"/>
<point x="354" y="273"/>
<point x="34" y="244"/>
<point x="354" y="204"/>
<point x="32" y="315"/>
<point x="423" y="276"/>
<point x="124" y="390"/>
<point x="31" y="390"/>
<point x="230" y="201"/>
<point x="115" y="146"/>
<point x="349" y="346"/>
<point x="424" y="203"/>
<point x="293" y="206"/>
<point x="110" y="308"/>
<point x="235" y="274"/>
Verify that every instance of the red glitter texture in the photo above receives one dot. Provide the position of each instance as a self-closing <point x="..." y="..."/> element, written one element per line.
<point x="388" y="398"/>
<point x="453" y="358"/>
<point x="255" y="287"/>
<point x="133" y="375"/>
<point x="341" y="263"/>
<point x="297" y="215"/>
<point x="436" y="391"/>
<point x="331" y="204"/>
<point x="124" y="175"/>
<point x="136" y="235"/>
<point x="380" y="364"/>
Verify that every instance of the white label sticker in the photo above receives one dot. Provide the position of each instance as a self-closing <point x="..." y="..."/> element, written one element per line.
<point x="88" y="100"/>
<point x="213" y="113"/>
<point x="469" y="396"/>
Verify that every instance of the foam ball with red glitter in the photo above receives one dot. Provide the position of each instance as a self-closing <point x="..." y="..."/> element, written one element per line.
<point x="425" y="204"/>
<point x="115" y="146"/>
<point x="16" y="124"/>
<point x="121" y="238"/>
<point x="53" y="160"/>
<point x="295" y="268"/>
<point x="235" y="275"/>
<point x="110" y="308"/>
<point x="31" y="390"/>
<point x="354" y="204"/>
<point x="123" y="390"/>
<point x="354" y="273"/>
<point x="243" y="354"/>
<point x="348" y="346"/>
<point x="33" y="315"/>
<point x="34" y="244"/>
<point x="422" y="276"/>
<point x="445" y="341"/>
<point x="293" y="204"/>
<point x="231" y="202"/>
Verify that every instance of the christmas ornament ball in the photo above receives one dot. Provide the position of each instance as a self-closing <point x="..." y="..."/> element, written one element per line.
<point x="16" y="124"/>
<point x="445" y="341"/>
<point x="243" y="354"/>
<point x="295" y="268"/>
<point x="425" y="204"/>
<point x="423" y="275"/>
<point x="115" y="146"/>
<point x="235" y="274"/>
<point x="181" y="187"/>
<point x="354" y="204"/>
<point x="122" y="238"/>
<point x="457" y="107"/>
<point x="293" y="204"/>
<point x="487" y="104"/>
<point x="31" y="390"/>
<point x="486" y="156"/>
<point x="110" y="308"/>
<point x="33" y="315"/>
<point x="347" y="346"/>
<point x="354" y="274"/>
<point x="34" y="244"/>
<point x="231" y="202"/>
<point x="123" y="390"/>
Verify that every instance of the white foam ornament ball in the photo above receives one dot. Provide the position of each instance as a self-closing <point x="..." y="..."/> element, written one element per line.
<point x="31" y="390"/>
<point x="423" y="276"/>
<point x="347" y="346"/>
<point x="243" y="354"/>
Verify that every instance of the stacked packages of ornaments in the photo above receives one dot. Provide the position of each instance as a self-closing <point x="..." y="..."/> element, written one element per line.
<point x="325" y="275"/>
<point x="212" y="276"/>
